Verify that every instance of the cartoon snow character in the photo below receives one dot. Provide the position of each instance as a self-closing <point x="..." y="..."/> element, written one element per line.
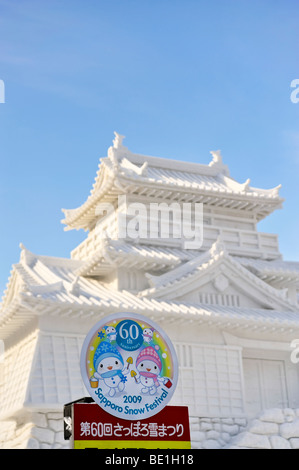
<point x="148" y="334"/>
<point x="111" y="333"/>
<point x="109" y="366"/>
<point x="149" y="365"/>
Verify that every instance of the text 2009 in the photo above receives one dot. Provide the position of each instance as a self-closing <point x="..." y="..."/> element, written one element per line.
<point x="132" y="399"/>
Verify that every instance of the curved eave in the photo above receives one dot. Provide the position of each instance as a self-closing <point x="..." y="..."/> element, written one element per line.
<point x="270" y="321"/>
<point x="15" y="317"/>
<point x="260" y="204"/>
<point x="103" y="185"/>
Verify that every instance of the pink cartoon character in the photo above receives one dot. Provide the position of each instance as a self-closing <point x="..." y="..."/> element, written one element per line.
<point x="149" y="366"/>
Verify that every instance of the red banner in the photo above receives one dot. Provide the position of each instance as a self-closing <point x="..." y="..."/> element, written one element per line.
<point x="94" y="427"/>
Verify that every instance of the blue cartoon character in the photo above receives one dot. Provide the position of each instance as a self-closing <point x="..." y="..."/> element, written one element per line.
<point x="109" y="366"/>
<point x="111" y="333"/>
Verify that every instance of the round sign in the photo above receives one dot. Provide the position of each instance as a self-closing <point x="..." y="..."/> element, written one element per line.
<point x="129" y="366"/>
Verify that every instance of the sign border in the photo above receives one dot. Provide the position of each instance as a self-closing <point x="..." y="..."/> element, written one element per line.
<point x="139" y="317"/>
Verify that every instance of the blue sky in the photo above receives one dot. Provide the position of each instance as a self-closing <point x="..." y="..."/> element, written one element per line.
<point x="177" y="78"/>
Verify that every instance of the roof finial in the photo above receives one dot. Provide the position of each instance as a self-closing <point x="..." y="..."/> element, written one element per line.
<point x="118" y="140"/>
<point x="218" y="163"/>
<point x="217" y="157"/>
<point x="26" y="255"/>
<point x="218" y="247"/>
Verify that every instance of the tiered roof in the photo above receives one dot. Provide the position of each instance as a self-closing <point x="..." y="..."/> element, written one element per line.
<point x="124" y="172"/>
<point x="46" y="286"/>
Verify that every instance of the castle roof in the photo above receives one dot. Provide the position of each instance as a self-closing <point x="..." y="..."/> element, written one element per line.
<point x="124" y="172"/>
<point x="46" y="286"/>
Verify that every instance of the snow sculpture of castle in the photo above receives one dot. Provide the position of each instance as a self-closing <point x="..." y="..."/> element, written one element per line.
<point x="229" y="304"/>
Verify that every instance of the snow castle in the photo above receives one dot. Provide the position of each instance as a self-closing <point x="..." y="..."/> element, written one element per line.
<point x="227" y="299"/>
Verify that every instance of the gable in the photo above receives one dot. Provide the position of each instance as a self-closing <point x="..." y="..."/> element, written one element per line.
<point x="223" y="291"/>
<point x="219" y="281"/>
